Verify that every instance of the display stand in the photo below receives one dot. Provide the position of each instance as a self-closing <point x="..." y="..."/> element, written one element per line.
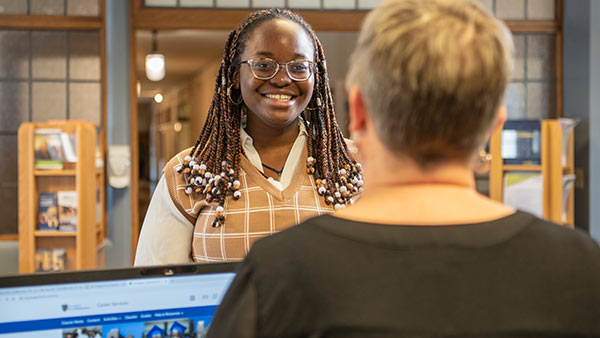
<point x="84" y="246"/>
<point x="552" y="168"/>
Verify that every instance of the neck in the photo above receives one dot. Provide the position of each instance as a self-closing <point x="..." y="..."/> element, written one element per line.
<point x="405" y="173"/>
<point x="266" y="137"/>
<point x="397" y="191"/>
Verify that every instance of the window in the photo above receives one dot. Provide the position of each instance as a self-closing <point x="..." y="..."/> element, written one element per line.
<point x="46" y="72"/>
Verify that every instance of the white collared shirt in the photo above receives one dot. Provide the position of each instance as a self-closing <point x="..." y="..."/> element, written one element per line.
<point x="293" y="159"/>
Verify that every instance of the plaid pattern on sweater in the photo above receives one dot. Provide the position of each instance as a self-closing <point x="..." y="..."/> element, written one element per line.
<point x="261" y="211"/>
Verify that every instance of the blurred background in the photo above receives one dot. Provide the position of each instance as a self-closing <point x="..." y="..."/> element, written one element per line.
<point x="87" y="60"/>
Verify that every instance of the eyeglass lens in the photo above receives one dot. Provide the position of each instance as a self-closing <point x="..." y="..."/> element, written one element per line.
<point x="265" y="69"/>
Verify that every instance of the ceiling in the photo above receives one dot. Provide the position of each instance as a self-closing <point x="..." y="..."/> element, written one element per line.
<point x="186" y="52"/>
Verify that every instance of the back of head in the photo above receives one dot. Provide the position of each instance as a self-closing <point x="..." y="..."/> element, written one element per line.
<point x="432" y="74"/>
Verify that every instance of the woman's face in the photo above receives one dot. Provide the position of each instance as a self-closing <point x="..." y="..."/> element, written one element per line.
<point x="279" y="101"/>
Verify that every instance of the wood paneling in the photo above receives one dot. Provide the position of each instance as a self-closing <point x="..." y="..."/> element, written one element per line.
<point x="227" y="19"/>
<point x="49" y="22"/>
<point x="538" y="26"/>
<point x="28" y="195"/>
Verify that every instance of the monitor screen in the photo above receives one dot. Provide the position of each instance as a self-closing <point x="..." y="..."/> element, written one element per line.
<point x="176" y="301"/>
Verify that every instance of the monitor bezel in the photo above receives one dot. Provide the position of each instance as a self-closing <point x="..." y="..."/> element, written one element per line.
<point x="82" y="276"/>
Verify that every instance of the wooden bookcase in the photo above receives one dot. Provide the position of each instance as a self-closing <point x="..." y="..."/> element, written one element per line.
<point x="83" y="247"/>
<point x="551" y="168"/>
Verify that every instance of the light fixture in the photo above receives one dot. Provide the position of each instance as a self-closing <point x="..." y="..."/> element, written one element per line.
<point x="158" y="98"/>
<point x="177" y="126"/>
<point x="155" y="61"/>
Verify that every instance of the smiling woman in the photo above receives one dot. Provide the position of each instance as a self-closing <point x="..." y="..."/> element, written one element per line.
<point x="270" y="154"/>
<point x="275" y="100"/>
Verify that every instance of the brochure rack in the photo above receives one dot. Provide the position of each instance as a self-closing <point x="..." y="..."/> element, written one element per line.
<point x="557" y="162"/>
<point x="84" y="246"/>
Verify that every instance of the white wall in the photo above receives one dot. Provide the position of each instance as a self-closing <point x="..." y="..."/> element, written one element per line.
<point x="594" y="119"/>
<point x="118" y="252"/>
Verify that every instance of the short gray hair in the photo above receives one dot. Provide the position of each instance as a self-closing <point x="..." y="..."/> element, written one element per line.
<point x="433" y="74"/>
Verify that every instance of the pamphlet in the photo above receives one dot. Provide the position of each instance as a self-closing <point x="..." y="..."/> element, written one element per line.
<point x="524" y="191"/>
<point x="521" y="142"/>
<point x="47" y="211"/>
<point x="568" y="181"/>
<point x="50" y="260"/>
<point x="67" y="210"/>
<point x="567" y="126"/>
<point x="48" y="151"/>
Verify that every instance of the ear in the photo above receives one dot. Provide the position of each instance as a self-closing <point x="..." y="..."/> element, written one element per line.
<point x="358" y="110"/>
<point x="236" y="79"/>
<point x="500" y="119"/>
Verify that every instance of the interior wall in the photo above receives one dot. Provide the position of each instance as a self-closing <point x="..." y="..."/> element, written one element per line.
<point x="203" y="85"/>
<point x="9" y="264"/>
<point x="576" y="70"/>
<point x="581" y="85"/>
<point x="118" y="250"/>
<point x="594" y="15"/>
<point x="337" y="47"/>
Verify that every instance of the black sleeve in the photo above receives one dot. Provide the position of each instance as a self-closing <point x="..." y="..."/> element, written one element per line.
<point x="237" y="314"/>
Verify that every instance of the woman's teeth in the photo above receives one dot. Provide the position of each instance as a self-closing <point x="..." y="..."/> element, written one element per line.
<point x="279" y="97"/>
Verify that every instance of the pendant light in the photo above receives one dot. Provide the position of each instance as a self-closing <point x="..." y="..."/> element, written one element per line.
<point x="155" y="61"/>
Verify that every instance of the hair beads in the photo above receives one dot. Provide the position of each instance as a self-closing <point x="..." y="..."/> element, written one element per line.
<point x="212" y="168"/>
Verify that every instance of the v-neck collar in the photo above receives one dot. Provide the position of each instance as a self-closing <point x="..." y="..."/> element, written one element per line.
<point x="293" y="158"/>
<point x="281" y="195"/>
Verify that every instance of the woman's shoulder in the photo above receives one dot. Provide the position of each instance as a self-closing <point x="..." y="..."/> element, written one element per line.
<point x="176" y="184"/>
<point x="551" y="232"/>
<point x="171" y="170"/>
<point x="177" y="160"/>
<point x="172" y="167"/>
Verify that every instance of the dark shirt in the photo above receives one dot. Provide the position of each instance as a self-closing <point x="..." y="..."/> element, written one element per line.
<point x="517" y="276"/>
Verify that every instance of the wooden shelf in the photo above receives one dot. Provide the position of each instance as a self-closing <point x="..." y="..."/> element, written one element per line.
<point x="82" y="177"/>
<point x="54" y="172"/>
<point x="552" y="169"/>
<point x="525" y="167"/>
<point x="52" y="233"/>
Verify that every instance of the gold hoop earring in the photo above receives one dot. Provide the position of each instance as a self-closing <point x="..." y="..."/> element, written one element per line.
<point x="230" y="99"/>
<point x="483" y="162"/>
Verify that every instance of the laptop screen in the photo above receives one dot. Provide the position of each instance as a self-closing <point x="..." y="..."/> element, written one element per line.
<point x="169" y="301"/>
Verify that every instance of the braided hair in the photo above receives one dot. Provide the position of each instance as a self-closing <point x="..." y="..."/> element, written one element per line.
<point x="212" y="168"/>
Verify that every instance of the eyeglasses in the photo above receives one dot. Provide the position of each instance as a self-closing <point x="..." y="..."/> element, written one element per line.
<point x="265" y="69"/>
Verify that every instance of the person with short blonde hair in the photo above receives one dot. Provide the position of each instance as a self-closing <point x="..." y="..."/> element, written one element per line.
<point x="427" y="58"/>
<point x="421" y="253"/>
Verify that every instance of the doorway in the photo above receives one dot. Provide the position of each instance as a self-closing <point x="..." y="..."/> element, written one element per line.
<point x="192" y="59"/>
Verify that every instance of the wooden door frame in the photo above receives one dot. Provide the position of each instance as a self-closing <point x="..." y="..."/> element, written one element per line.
<point x="320" y="20"/>
<point x="142" y="18"/>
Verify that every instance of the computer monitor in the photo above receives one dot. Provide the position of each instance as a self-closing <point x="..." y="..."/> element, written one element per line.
<point x="165" y="301"/>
